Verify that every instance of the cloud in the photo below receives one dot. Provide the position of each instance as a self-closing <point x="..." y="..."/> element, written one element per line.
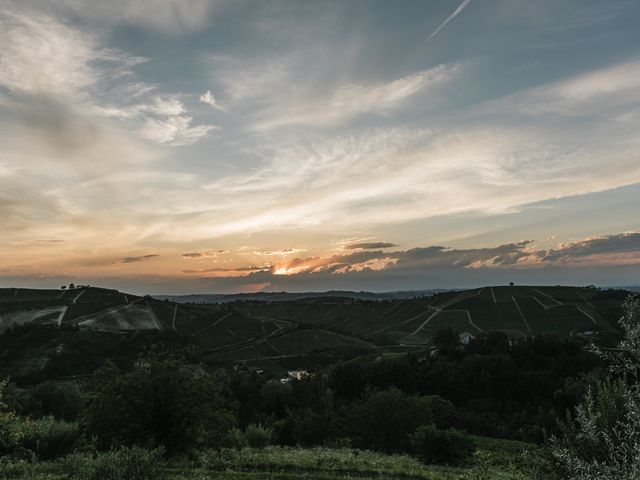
<point x="309" y="98"/>
<point x="595" y="246"/>
<point x="455" y="13"/>
<point x="611" y="91"/>
<point x="335" y="107"/>
<point x="284" y="252"/>
<point x="166" y="16"/>
<point x="40" y="55"/>
<point x="226" y="272"/>
<point x="518" y="255"/>
<point x="422" y="257"/>
<point x="140" y="258"/>
<point x="369" y="245"/>
<point x="208" y="98"/>
<point x="175" y="130"/>
<point x="205" y="254"/>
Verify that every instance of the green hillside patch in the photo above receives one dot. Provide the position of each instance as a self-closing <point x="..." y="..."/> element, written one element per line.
<point x="562" y="321"/>
<point x="457" y="320"/>
<point x="128" y="317"/>
<point x="491" y="316"/>
<point x="308" y="340"/>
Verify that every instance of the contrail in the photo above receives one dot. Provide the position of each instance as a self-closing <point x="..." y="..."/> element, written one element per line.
<point x="455" y="13"/>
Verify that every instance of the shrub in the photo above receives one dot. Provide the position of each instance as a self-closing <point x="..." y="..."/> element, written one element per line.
<point x="11" y="426"/>
<point x="236" y="439"/>
<point x="132" y="463"/>
<point x="601" y="440"/>
<point x="49" y="438"/>
<point x="258" y="436"/>
<point x="433" y="445"/>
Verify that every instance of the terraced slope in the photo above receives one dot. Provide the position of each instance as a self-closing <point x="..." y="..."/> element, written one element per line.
<point x="308" y="333"/>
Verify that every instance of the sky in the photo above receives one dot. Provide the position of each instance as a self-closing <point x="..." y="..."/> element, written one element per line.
<point x="178" y="146"/>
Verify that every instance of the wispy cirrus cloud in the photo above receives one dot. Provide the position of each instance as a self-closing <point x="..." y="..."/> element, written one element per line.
<point x="307" y="102"/>
<point x="165" y="16"/>
<point x="332" y="108"/>
<point x="45" y="58"/>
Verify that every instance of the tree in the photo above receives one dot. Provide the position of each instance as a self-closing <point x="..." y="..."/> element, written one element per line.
<point x="601" y="440"/>
<point x="160" y="403"/>
<point x="384" y="419"/>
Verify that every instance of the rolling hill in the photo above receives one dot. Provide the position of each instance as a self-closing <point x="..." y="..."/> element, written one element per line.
<point x="316" y="330"/>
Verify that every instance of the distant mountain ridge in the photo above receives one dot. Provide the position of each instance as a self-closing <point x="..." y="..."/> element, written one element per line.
<point x="292" y="296"/>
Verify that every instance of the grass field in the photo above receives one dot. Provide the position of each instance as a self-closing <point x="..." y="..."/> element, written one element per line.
<point x="495" y="459"/>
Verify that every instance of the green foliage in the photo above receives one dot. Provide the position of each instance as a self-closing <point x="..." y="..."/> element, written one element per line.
<point x="433" y="445"/>
<point x="254" y="436"/>
<point x="383" y="420"/>
<point x="237" y="439"/>
<point x="601" y="440"/>
<point x="131" y="463"/>
<point x="12" y="428"/>
<point x="258" y="436"/>
<point x="160" y="403"/>
<point x="300" y="463"/>
<point x="60" y="399"/>
<point x="625" y="359"/>
<point x="50" y="438"/>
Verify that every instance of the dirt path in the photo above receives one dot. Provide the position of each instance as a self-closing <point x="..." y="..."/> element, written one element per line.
<point x="522" y="315"/>
<point x="426" y="322"/>
<point x="213" y="324"/>
<point x="175" y="313"/>
<point x="471" y="321"/>
<point x="583" y="311"/>
<point x="547" y="295"/>
<point x="540" y="303"/>
<point x="75" y="299"/>
<point x="457" y="298"/>
<point x="402" y="322"/>
<point x="153" y="316"/>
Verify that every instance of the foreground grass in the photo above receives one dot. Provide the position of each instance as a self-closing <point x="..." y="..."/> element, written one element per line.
<point x="495" y="459"/>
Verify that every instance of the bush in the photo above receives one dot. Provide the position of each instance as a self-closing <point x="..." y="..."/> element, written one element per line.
<point x="132" y="463"/>
<point x="433" y="445"/>
<point x="258" y="436"/>
<point x="49" y="438"/>
<point x="236" y="439"/>
<point x="601" y="440"/>
<point x="12" y="428"/>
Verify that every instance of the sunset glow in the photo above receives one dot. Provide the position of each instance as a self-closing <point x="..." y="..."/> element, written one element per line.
<point x="318" y="143"/>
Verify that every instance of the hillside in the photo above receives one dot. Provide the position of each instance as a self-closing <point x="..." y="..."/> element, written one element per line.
<point x="311" y="332"/>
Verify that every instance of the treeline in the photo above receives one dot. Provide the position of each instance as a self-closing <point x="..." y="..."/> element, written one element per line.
<point x="153" y="395"/>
